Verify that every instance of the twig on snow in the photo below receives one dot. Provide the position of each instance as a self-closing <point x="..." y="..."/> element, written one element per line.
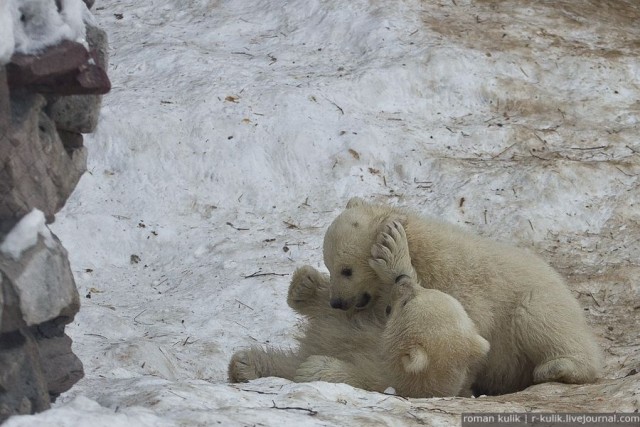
<point x="135" y="319"/>
<point x="297" y="408"/>
<point x="237" y="228"/>
<point x="257" y="274"/>
<point x="335" y="105"/>
<point x="241" y="303"/>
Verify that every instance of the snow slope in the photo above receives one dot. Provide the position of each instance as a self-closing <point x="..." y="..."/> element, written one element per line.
<point x="236" y="131"/>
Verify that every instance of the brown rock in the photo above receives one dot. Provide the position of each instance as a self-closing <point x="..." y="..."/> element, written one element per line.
<point x="55" y="61"/>
<point x="66" y="68"/>
<point x="79" y="113"/>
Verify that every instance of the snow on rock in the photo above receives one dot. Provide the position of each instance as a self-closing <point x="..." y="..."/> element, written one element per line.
<point x="236" y="131"/>
<point x="39" y="270"/>
<point x="7" y="41"/>
<point x="24" y="235"/>
<point x="38" y="24"/>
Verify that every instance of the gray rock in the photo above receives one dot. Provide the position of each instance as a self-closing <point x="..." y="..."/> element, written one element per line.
<point x="72" y="141"/>
<point x="61" y="368"/>
<point x="5" y="124"/>
<point x="35" y="169"/>
<point x="23" y="387"/>
<point x="43" y="281"/>
<point x="79" y="113"/>
<point x="11" y="315"/>
<point x="1" y="301"/>
<point x="75" y="113"/>
<point x="99" y="43"/>
<point x="5" y="112"/>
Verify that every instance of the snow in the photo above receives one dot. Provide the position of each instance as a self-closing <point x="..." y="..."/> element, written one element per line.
<point x="25" y="234"/>
<point x="7" y="42"/>
<point x="82" y="411"/>
<point x="38" y="24"/>
<point x="236" y="131"/>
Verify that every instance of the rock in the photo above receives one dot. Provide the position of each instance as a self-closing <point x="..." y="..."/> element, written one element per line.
<point x="43" y="281"/>
<point x="79" y="113"/>
<point x="54" y="62"/>
<point x="23" y="388"/>
<point x="11" y="316"/>
<point x="99" y="44"/>
<point x="66" y="69"/>
<point x="5" y="109"/>
<point x="71" y="140"/>
<point x="35" y="169"/>
<point x="1" y="301"/>
<point x="61" y="368"/>
<point x="37" y="362"/>
<point x="41" y="160"/>
<point x="75" y="113"/>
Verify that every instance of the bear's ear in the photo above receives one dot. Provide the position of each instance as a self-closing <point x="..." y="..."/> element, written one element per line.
<point x="481" y="346"/>
<point x="356" y="201"/>
<point x="416" y="360"/>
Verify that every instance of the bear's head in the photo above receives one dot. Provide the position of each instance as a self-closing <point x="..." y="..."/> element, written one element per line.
<point x="427" y="326"/>
<point x="347" y="251"/>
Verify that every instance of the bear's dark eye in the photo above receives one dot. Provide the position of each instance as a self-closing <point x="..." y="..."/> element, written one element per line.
<point x="388" y="310"/>
<point x="347" y="272"/>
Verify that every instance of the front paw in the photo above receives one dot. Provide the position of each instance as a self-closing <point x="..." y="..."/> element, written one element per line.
<point x="304" y="288"/>
<point x="242" y="367"/>
<point x="321" y="368"/>
<point x="390" y="254"/>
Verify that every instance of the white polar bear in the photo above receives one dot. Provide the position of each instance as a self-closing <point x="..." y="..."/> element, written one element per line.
<point x="428" y="346"/>
<point x="519" y="304"/>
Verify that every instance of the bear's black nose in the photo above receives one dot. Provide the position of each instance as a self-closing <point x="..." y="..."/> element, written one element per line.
<point x="339" y="303"/>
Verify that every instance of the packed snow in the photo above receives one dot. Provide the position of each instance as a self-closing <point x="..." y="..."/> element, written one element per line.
<point x="237" y="130"/>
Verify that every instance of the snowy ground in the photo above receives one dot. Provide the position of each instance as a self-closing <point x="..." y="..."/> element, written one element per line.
<point x="237" y="130"/>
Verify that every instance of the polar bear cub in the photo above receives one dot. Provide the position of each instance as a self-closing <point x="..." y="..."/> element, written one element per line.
<point x="426" y="347"/>
<point x="430" y="345"/>
<point x="520" y="305"/>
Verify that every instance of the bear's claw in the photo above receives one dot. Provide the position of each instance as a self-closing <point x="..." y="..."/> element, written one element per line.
<point x="390" y="254"/>
<point x="305" y="288"/>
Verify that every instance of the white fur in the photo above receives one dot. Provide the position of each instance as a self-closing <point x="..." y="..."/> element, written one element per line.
<point x="465" y="311"/>
<point x="519" y="304"/>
